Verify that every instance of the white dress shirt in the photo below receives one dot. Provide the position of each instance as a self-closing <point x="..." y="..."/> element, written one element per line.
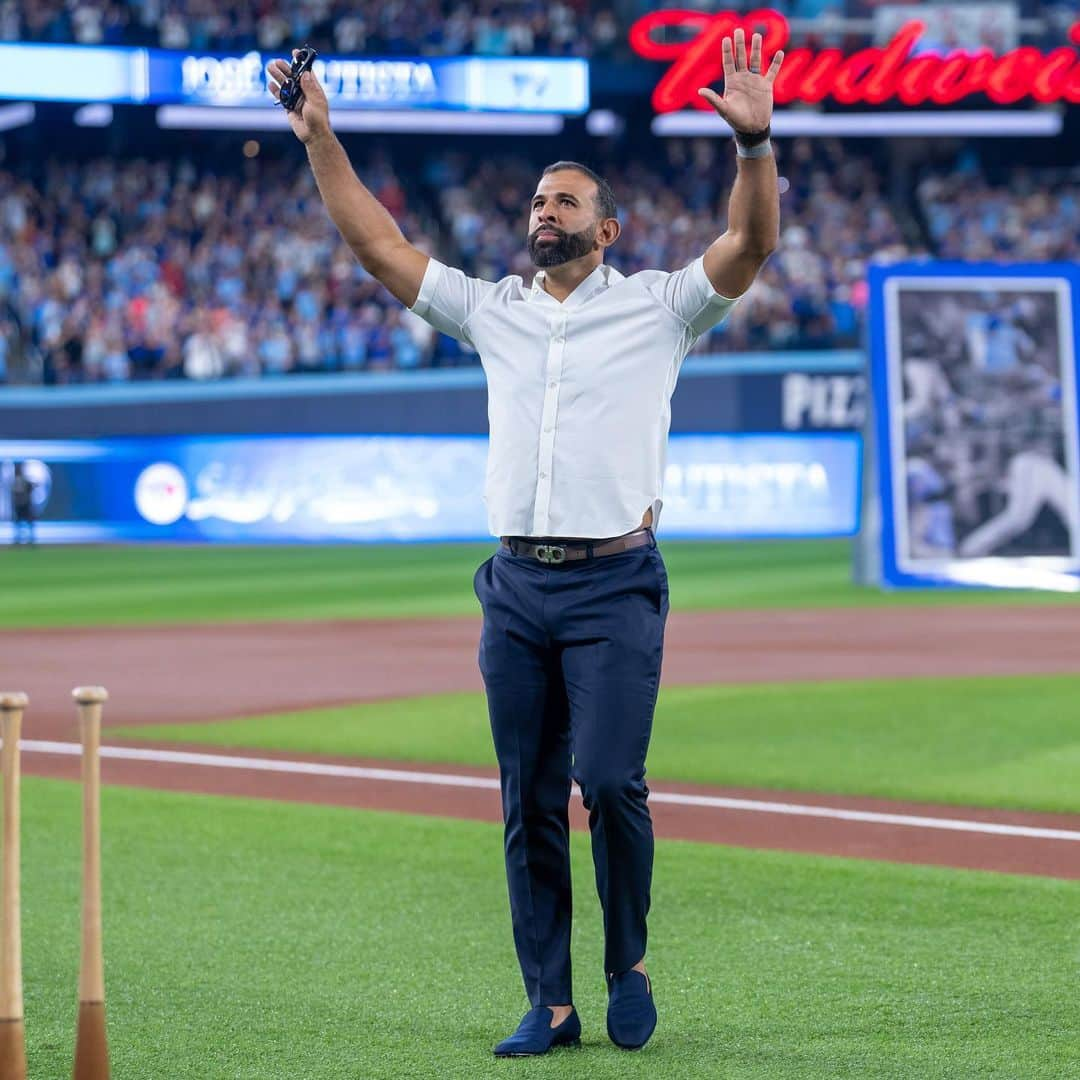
<point x="579" y="392"/>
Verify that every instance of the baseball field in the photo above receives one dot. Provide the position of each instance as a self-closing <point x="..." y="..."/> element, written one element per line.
<point x="868" y="807"/>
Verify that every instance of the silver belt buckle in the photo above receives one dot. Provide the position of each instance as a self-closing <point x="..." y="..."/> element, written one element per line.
<point x="550" y="553"/>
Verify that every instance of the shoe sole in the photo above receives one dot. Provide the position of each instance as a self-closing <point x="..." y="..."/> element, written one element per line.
<point x="540" y="1053"/>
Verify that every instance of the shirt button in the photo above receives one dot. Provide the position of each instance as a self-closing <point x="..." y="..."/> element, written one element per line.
<point x="543" y="476"/>
<point x="549" y="428"/>
<point x="553" y="384"/>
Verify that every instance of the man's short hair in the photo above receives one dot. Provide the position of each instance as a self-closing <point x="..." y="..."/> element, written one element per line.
<point x="605" y="197"/>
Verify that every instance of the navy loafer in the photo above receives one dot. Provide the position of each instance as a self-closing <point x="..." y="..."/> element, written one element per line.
<point x="631" y="1014"/>
<point x="535" y="1035"/>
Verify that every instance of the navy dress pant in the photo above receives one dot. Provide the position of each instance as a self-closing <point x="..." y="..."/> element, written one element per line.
<point x="570" y="656"/>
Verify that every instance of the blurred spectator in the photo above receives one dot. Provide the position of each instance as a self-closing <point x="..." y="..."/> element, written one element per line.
<point x="22" y="505"/>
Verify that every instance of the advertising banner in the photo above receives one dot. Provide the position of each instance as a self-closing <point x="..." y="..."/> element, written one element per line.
<point x="137" y="76"/>
<point x="249" y="489"/>
<point x="916" y="65"/>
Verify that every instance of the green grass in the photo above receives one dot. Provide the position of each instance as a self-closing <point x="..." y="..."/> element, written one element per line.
<point x="131" y="585"/>
<point x="261" y="941"/>
<point x="1008" y="742"/>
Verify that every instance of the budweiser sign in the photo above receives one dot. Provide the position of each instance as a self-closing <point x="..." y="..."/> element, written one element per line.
<point x="869" y="76"/>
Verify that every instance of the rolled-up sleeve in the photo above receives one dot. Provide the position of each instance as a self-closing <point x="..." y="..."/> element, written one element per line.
<point x="690" y="295"/>
<point x="448" y="297"/>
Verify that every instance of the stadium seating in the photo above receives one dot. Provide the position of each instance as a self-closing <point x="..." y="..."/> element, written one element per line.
<point x="115" y="270"/>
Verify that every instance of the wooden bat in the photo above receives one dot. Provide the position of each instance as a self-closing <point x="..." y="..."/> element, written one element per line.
<point x="12" y="1041"/>
<point x="91" y="1046"/>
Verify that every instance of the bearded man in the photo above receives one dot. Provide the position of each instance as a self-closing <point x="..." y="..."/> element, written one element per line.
<point x="580" y="368"/>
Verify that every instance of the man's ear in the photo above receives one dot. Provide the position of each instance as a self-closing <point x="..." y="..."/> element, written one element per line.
<point x="608" y="232"/>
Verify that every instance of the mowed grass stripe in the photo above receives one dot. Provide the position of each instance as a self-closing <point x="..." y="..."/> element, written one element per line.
<point x="1004" y="742"/>
<point x="78" y="586"/>
<point x="131" y="585"/>
<point x="255" y="940"/>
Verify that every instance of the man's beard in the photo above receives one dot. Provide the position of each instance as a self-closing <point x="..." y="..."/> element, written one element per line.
<point x="556" y="252"/>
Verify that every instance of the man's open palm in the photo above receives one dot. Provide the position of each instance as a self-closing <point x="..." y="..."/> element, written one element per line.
<point x="747" y="103"/>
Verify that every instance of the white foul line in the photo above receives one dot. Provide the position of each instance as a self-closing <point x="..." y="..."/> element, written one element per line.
<point x="225" y="761"/>
<point x="404" y="776"/>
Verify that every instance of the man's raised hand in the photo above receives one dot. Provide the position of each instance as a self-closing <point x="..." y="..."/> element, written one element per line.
<point x="747" y="103"/>
<point x="311" y="117"/>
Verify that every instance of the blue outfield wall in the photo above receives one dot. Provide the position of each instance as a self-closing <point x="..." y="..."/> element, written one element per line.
<point x="751" y="392"/>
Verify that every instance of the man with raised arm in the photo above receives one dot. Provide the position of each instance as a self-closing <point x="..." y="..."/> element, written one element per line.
<point x="580" y="368"/>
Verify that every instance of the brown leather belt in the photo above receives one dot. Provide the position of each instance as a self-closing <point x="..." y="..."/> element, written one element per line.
<point x="557" y="550"/>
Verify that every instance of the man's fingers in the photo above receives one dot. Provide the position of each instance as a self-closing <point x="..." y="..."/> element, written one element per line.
<point x="310" y="85"/>
<point x="774" y="67"/>
<point x="277" y="71"/>
<point x="755" y="53"/>
<point x="740" y="49"/>
<point x="728" y="56"/>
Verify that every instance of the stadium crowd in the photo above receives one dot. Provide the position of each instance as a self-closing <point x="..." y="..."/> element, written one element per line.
<point x="116" y="270"/>
<point x="1035" y="216"/>
<point x="420" y="27"/>
<point x="391" y="28"/>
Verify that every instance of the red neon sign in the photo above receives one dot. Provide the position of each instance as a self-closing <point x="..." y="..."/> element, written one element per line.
<point x="870" y="76"/>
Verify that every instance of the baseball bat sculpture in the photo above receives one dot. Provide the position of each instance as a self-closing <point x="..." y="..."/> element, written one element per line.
<point x="91" y="1047"/>
<point x="12" y="1040"/>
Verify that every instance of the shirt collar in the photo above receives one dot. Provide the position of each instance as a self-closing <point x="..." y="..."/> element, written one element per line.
<point x="602" y="277"/>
